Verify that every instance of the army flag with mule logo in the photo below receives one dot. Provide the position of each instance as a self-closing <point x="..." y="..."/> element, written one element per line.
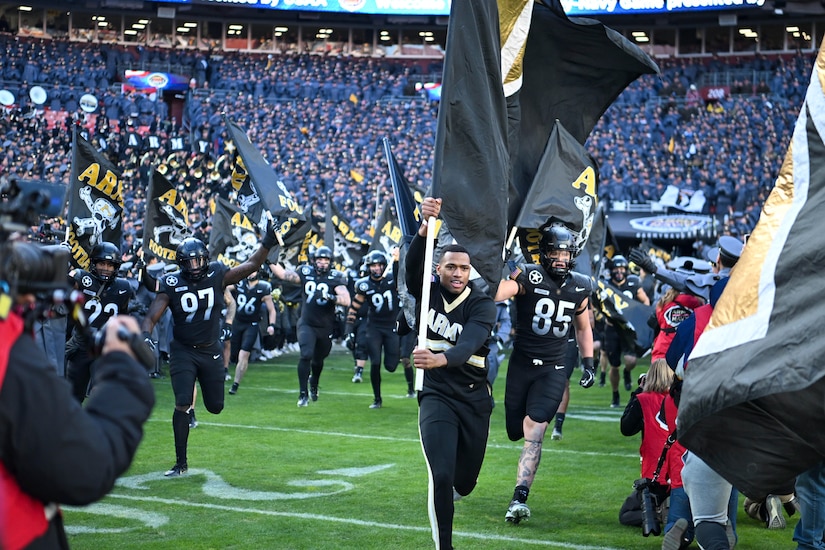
<point x="95" y="211"/>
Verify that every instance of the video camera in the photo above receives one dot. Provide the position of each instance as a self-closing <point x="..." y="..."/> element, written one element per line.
<point x="40" y="270"/>
<point x="25" y="267"/>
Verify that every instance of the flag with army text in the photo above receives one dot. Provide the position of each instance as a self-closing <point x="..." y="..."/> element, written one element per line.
<point x="95" y="212"/>
<point x="166" y="221"/>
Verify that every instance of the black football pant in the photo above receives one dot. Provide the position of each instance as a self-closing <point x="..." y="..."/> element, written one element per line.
<point x="454" y="437"/>
<point x="316" y="343"/>
<point x="386" y="339"/>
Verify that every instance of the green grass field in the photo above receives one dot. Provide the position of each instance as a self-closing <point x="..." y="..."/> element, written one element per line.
<point x="337" y="475"/>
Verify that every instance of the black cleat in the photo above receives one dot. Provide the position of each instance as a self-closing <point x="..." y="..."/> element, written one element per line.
<point x="193" y="422"/>
<point x="234" y="389"/>
<point x="177" y="470"/>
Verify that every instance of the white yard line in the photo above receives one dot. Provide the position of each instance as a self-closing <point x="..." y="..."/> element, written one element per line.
<point x="414" y="440"/>
<point x="355" y="521"/>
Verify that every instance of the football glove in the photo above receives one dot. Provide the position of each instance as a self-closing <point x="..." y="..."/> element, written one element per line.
<point x="151" y="344"/>
<point x="226" y="332"/>
<point x="270" y="237"/>
<point x="640" y="258"/>
<point x="589" y="375"/>
<point x="349" y="341"/>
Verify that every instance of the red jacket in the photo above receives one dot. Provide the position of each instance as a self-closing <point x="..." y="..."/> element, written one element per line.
<point x="54" y="450"/>
<point x="668" y="317"/>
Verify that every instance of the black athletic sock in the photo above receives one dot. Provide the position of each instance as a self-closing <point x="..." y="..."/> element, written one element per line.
<point x="559" y="420"/>
<point x="409" y="376"/>
<point x="180" y="427"/>
<point x="521" y="493"/>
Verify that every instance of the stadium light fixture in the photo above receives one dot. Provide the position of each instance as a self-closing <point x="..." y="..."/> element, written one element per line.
<point x="25" y="8"/>
<point x="143" y="21"/>
<point x="190" y="25"/>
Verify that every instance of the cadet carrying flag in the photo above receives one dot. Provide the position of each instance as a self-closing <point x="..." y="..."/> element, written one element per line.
<point x="166" y="219"/>
<point x="471" y="170"/>
<point x="754" y="387"/>
<point x="95" y="202"/>
<point x="233" y="239"/>
<point x="257" y="185"/>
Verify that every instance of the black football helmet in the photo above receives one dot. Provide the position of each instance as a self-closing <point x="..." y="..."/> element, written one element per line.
<point x="193" y="258"/>
<point x="553" y="238"/>
<point x="376" y="257"/>
<point x="616" y="263"/>
<point x="322" y="252"/>
<point x="105" y="252"/>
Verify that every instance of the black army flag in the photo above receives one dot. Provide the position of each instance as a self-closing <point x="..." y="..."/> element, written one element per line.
<point x="95" y="202"/>
<point x="166" y="219"/>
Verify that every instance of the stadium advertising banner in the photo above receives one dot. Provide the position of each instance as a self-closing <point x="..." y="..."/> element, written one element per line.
<point x="442" y="7"/>
<point x="627" y="7"/>
<point x="385" y="7"/>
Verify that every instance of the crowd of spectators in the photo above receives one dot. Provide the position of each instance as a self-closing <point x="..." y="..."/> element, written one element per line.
<point x="319" y="122"/>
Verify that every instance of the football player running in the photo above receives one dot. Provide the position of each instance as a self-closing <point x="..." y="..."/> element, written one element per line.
<point x="323" y="289"/>
<point x="377" y="292"/>
<point x="194" y="294"/>
<point x="105" y="295"/>
<point x="549" y="298"/>
<point x="252" y="297"/>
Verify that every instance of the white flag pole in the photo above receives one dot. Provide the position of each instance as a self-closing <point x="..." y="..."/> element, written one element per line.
<point x="425" y="296"/>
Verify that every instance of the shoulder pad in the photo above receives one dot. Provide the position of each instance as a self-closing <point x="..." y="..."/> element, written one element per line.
<point x="531" y="274"/>
<point x="362" y="284"/>
<point x="266" y="288"/>
<point x="305" y="270"/>
<point x="339" y="276"/>
<point x="172" y="279"/>
<point x="581" y="280"/>
<point x="634" y="280"/>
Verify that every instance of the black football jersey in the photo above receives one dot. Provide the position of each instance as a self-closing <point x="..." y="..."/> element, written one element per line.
<point x="545" y="312"/>
<point x="629" y="287"/>
<point x="103" y="300"/>
<point x="196" y="305"/>
<point x="380" y="299"/>
<point x="249" y="299"/>
<point x="317" y="311"/>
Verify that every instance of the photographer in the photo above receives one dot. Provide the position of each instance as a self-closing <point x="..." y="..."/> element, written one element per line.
<point x="642" y="414"/>
<point x="52" y="450"/>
